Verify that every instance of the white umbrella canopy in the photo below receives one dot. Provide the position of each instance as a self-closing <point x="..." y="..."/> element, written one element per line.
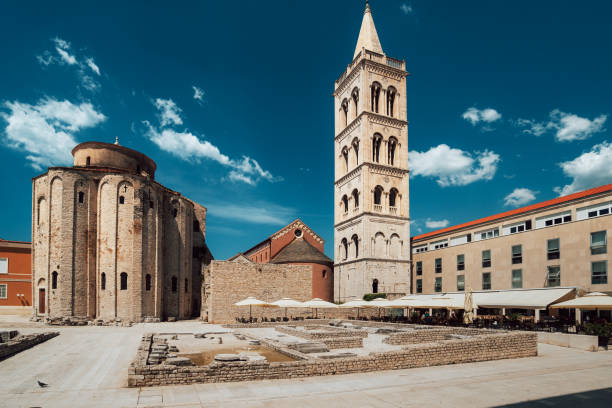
<point x="252" y="301"/>
<point x="378" y="302"/>
<point x="287" y="302"/>
<point x="317" y="303"/>
<point x="444" y="302"/>
<point x="354" y="303"/>
<point x="592" y="301"/>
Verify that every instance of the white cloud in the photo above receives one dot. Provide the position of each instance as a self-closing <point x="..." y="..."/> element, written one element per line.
<point x="590" y="169"/>
<point x="567" y="126"/>
<point x="474" y="115"/>
<point x="169" y="113"/>
<point x="436" y="224"/>
<point x="198" y="94"/>
<point x="45" y="130"/>
<point x="453" y="167"/>
<point x="65" y="57"/>
<point x="406" y="8"/>
<point x="265" y="213"/>
<point x="520" y="196"/>
<point x="190" y="147"/>
<point x="92" y="65"/>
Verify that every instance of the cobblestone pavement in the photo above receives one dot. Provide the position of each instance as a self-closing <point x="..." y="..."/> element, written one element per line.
<point x="87" y="366"/>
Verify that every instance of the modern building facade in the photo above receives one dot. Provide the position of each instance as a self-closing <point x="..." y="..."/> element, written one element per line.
<point x="296" y="244"/>
<point x="15" y="276"/>
<point x="109" y="242"/>
<point x="371" y="211"/>
<point x="556" y="243"/>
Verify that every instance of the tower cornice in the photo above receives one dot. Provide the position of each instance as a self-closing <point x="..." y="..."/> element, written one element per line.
<point x="385" y="169"/>
<point x="370" y="214"/>
<point x="386" y="65"/>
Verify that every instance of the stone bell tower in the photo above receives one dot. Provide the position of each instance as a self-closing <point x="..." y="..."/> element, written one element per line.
<point x="371" y="218"/>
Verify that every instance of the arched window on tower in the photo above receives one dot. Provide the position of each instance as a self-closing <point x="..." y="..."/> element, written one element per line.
<point x="121" y="200"/>
<point x="378" y="190"/>
<point x="391" y="148"/>
<point x="345" y="156"/>
<point x="355" y="241"/>
<point x="356" y="150"/>
<point x="345" y="203"/>
<point x="376" y="87"/>
<point x="345" y="107"/>
<point x="355" y="97"/>
<point x="54" y="280"/>
<point x="393" y="197"/>
<point x="376" y="142"/>
<point x="123" y="281"/>
<point x="391" y="92"/>
<point x="344" y="248"/>
<point x="355" y="195"/>
<point x="103" y="281"/>
<point x="81" y="197"/>
<point x="148" y="282"/>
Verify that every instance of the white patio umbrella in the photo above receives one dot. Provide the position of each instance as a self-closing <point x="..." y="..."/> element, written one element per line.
<point x="287" y="303"/>
<point x="592" y="301"/>
<point x="355" y="304"/>
<point x="252" y="301"/>
<point x="379" y="303"/>
<point x="317" y="303"/>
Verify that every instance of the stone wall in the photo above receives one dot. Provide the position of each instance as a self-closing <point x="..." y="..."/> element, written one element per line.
<point x="24" y="342"/>
<point x="227" y="283"/>
<point x="494" y="346"/>
<point x="426" y="335"/>
<point x="325" y="332"/>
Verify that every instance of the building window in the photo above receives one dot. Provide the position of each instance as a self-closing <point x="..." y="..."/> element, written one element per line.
<point x="81" y="197"/>
<point x="345" y="203"/>
<point x="148" y="282"/>
<point x="3" y="265"/>
<point x="517" y="278"/>
<point x="599" y="272"/>
<point x="419" y="268"/>
<point x="174" y="212"/>
<point x="553" y="249"/>
<point x="378" y="190"/>
<point x="88" y="161"/>
<point x="376" y="142"/>
<point x="393" y="197"/>
<point x="123" y="278"/>
<point x="419" y="286"/>
<point x="196" y="226"/>
<point x="460" y="283"/>
<point x="151" y="204"/>
<point x="517" y="254"/>
<point x="186" y="285"/>
<point x="54" y="280"/>
<point x="103" y="281"/>
<point x="598" y="243"/>
<point x="174" y="284"/>
<point x="555" y="219"/>
<point x="323" y="273"/>
<point x="438" y="285"/>
<point x="345" y="111"/>
<point x="375" y="96"/>
<point x="356" y="150"/>
<point x="486" y="281"/>
<point x="460" y="262"/>
<point x="553" y="276"/>
<point x="345" y="157"/>
<point x="440" y="244"/>
<point x="492" y="233"/>
<point x="420" y="249"/>
<point x="375" y="286"/>
<point x="391" y="146"/>
<point x="355" y="240"/>
<point x="344" y="248"/>
<point x="438" y="265"/>
<point x="390" y="100"/>
<point x="486" y="258"/>
<point x="121" y="200"/>
<point x="3" y="292"/>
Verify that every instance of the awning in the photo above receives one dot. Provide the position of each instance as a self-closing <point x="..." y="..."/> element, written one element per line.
<point x="592" y="301"/>
<point x="521" y="299"/>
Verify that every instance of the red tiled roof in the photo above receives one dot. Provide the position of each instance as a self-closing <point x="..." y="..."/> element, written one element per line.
<point x="543" y="204"/>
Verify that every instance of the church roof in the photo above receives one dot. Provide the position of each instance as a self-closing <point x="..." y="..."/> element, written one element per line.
<point x="368" y="37"/>
<point x="299" y="250"/>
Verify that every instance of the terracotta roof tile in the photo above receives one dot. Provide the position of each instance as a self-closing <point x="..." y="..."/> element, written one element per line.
<point x="299" y="250"/>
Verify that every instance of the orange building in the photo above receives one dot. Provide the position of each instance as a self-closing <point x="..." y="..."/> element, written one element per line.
<point x="15" y="277"/>
<point x="297" y="244"/>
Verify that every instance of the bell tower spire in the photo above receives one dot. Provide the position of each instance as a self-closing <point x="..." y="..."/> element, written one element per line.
<point x="368" y="37"/>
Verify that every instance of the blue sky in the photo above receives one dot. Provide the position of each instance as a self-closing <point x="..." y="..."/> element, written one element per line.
<point x="508" y="102"/>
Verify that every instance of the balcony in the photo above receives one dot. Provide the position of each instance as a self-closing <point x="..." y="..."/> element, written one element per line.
<point x="393" y="210"/>
<point x="378" y="208"/>
<point x="355" y="210"/>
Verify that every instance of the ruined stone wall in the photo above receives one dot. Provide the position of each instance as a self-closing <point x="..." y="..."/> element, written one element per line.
<point x="427" y="335"/>
<point x="324" y="332"/>
<point x="487" y="347"/>
<point x="231" y="282"/>
<point x="23" y="342"/>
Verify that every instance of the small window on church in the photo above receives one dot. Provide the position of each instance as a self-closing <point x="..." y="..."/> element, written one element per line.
<point x="298" y="233"/>
<point x="103" y="281"/>
<point x="88" y="161"/>
<point x="174" y="284"/>
<point x="196" y="226"/>
<point x="121" y="200"/>
<point x="151" y="204"/>
<point x="186" y="285"/>
<point x="148" y="282"/>
<point x="323" y="273"/>
<point x="81" y="196"/>
<point x="123" y="281"/>
<point x="174" y="212"/>
<point x="54" y="280"/>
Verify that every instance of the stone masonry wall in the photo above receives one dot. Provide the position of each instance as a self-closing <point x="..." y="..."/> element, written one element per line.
<point x="325" y="333"/>
<point x="427" y="335"/>
<point x="493" y="346"/>
<point x="20" y="343"/>
<point x="231" y="282"/>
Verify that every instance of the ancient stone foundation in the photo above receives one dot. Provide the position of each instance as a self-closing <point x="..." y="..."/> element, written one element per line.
<point x="19" y="343"/>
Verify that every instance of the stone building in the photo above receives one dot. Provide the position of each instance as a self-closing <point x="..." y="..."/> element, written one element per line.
<point x="555" y="243"/>
<point x="296" y="244"/>
<point x="371" y="212"/>
<point x="109" y="242"/>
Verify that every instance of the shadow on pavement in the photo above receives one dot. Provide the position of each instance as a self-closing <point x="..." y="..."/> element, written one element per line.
<point x="592" y="399"/>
